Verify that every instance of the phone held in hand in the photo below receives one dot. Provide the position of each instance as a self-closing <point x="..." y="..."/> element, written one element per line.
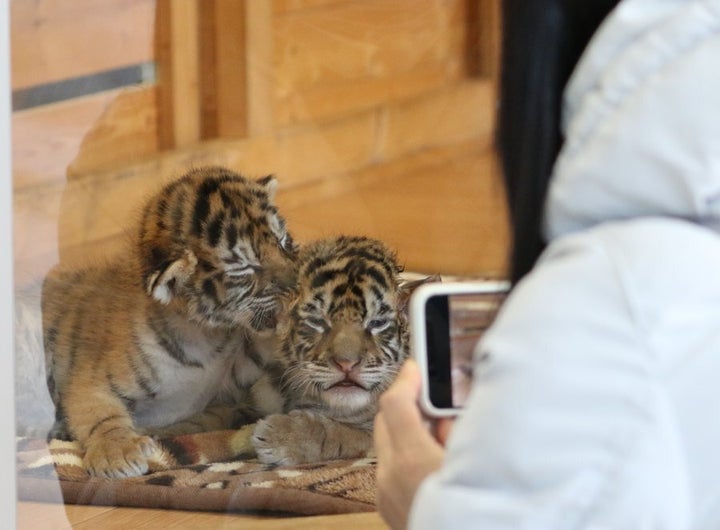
<point x="446" y="321"/>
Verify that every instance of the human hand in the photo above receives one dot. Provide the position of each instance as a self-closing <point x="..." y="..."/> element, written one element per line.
<point x="407" y="451"/>
<point x="441" y="429"/>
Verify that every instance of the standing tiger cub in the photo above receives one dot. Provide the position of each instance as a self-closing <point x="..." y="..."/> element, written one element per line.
<point x="344" y="337"/>
<point x="175" y="324"/>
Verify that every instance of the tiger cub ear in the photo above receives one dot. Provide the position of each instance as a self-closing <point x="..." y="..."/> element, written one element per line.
<point x="163" y="282"/>
<point x="269" y="182"/>
<point x="407" y="288"/>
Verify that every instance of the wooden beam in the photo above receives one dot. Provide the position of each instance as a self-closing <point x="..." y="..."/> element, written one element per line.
<point x="237" y="69"/>
<point x="223" y="68"/>
<point x="178" y="72"/>
<point x="484" y="38"/>
<point x="260" y="67"/>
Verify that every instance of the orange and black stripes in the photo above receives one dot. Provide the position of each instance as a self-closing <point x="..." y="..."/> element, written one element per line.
<point x="344" y="283"/>
<point x="153" y="335"/>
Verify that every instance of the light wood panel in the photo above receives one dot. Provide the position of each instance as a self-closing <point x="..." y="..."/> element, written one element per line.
<point x="45" y="140"/>
<point x="126" y="131"/>
<point x="355" y="55"/>
<point x="328" y="61"/>
<point x="453" y="115"/>
<point x="85" y="134"/>
<point x="442" y="209"/>
<point x="56" y="39"/>
<point x="285" y="6"/>
<point x="60" y="213"/>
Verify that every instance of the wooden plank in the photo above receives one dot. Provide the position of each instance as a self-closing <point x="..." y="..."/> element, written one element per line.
<point x="454" y="225"/>
<point x="178" y="54"/>
<point x="287" y="6"/>
<point x="366" y="38"/>
<point x="59" y="216"/>
<point x="141" y="518"/>
<point x="223" y="68"/>
<point x="125" y="132"/>
<point x="208" y="71"/>
<point x="56" y="39"/>
<point x="336" y="101"/>
<point x="456" y="114"/>
<point x="57" y="219"/>
<point x="484" y="38"/>
<point x="46" y="139"/>
<point x="332" y="62"/>
<point x="260" y="70"/>
<point x="118" y="128"/>
<point x="113" y="127"/>
<point x="58" y="516"/>
<point x="55" y="516"/>
<point x="237" y="79"/>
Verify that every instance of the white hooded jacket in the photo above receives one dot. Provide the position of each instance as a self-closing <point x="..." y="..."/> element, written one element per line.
<point x="598" y="406"/>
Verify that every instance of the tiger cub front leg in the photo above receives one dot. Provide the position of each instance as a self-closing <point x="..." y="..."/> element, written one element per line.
<point x="102" y="424"/>
<point x="304" y="436"/>
<point x="213" y="418"/>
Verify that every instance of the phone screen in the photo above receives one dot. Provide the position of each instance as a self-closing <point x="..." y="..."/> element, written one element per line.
<point x="454" y="324"/>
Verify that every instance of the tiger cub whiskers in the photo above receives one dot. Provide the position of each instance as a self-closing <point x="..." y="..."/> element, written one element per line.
<point x="184" y="320"/>
<point x="343" y="339"/>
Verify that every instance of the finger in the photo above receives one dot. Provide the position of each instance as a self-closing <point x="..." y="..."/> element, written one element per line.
<point x="381" y="438"/>
<point x="407" y="384"/>
<point x="401" y="418"/>
<point x="443" y="426"/>
<point x="410" y="375"/>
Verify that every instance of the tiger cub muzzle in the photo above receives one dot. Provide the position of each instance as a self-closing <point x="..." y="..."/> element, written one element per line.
<point x="350" y="361"/>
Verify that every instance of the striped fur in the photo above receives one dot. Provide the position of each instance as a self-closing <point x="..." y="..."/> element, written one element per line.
<point x="344" y="339"/>
<point x="184" y="319"/>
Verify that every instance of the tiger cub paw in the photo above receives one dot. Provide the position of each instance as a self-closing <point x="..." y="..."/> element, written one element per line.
<point x="119" y="457"/>
<point x="289" y="439"/>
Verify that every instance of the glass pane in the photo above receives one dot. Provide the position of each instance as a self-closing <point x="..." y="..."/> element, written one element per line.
<point x="373" y="116"/>
<point x="7" y="439"/>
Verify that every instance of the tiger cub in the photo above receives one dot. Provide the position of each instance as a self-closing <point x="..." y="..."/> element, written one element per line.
<point x="171" y="326"/>
<point x="344" y="337"/>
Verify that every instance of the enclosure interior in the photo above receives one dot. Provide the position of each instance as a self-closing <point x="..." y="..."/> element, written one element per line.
<point x="376" y="118"/>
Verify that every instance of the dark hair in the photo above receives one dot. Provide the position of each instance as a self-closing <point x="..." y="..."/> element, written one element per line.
<point x="542" y="42"/>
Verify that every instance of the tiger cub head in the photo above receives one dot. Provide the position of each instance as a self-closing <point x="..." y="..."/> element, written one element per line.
<point x="213" y="246"/>
<point x="345" y="333"/>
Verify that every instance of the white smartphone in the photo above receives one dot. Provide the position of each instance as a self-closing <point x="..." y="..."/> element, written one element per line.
<point x="446" y="321"/>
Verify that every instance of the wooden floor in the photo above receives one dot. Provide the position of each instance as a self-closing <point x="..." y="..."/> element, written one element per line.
<point x="35" y="516"/>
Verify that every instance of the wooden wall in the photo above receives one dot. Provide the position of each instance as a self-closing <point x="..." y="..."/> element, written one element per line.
<point x="310" y="90"/>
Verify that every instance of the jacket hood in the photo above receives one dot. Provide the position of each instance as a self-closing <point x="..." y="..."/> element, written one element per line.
<point x="641" y="118"/>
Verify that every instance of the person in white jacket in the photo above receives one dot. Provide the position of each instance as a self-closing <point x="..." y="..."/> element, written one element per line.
<point x="596" y="394"/>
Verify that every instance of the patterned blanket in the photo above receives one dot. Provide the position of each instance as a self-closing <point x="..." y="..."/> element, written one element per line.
<point x="206" y="472"/>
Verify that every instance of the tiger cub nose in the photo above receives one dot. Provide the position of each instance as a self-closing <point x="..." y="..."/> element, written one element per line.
<point x="346" y="348"/>
<point x="346" y="365"/>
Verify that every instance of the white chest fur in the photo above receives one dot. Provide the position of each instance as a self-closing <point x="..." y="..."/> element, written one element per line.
<point x="190" y="377"/>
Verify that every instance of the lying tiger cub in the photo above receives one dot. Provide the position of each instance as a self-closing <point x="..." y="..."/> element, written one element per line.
<point x="344" y="337"/>
<point x="172" y="326"/>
